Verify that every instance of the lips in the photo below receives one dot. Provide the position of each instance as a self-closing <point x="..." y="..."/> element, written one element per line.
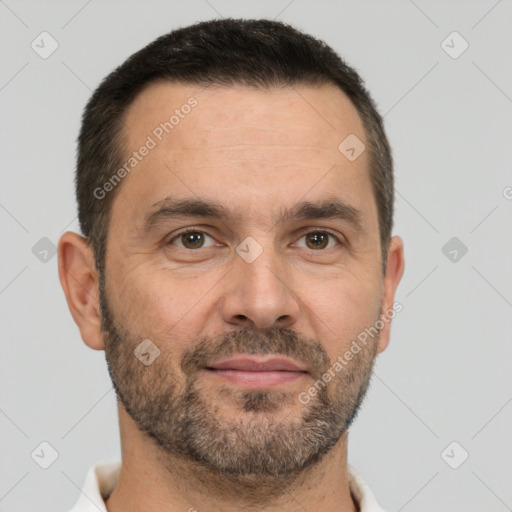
<point x="251" y="364"/>
<point x="257" y="373"/>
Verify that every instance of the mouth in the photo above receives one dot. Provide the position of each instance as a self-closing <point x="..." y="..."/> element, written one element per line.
<point x="253" y="372"/>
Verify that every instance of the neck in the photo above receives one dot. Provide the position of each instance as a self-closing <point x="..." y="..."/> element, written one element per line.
<point x="156" y="482"/>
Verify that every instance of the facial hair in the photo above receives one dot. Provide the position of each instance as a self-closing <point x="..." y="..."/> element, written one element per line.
<point x="169" y="406"/>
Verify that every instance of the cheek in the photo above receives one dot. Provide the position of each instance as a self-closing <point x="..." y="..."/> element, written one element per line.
<point x="342" y="308"/>
<point x="154" y="305"/>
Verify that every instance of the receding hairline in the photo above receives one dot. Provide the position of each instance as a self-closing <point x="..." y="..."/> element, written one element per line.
<point x="121" y="134"/>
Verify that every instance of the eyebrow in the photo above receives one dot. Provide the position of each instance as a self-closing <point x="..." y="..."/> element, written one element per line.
<point x="171" y="208"/>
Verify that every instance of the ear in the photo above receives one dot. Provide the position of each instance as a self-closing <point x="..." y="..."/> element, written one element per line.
<point x="394" y="271"/>
<point x="79" y="280"/>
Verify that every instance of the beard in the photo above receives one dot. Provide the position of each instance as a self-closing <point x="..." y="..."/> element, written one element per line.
<point x="272" y="436"/>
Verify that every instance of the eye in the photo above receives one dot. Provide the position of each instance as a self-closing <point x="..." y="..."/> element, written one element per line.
<point x="317" y="240"/>
<point x="195" y="239"/>
<point x="191" y="239"/>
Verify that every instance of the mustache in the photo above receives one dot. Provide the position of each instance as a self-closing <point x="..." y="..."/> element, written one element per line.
<point x="276" y="341"/>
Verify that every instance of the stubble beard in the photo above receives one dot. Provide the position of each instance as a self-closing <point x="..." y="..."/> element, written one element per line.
<point x="260" y="447"/>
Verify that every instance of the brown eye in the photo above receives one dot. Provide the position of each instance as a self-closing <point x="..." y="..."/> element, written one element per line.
<point x="191" y="239"/>
<point x="318" y="240"/>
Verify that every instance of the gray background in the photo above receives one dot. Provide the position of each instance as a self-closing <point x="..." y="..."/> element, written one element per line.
<point x="446" y="375"/>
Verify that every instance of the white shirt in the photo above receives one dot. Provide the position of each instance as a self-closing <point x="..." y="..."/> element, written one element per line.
<point x="102" y="478"/>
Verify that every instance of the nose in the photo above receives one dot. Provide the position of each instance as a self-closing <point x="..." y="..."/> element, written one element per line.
<point x="260" y="294"/>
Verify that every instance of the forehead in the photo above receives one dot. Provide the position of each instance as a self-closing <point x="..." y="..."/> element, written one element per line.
<point x="257" y="149"/>
<point x="231" y="114"/>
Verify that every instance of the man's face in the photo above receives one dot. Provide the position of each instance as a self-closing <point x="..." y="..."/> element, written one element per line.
<point x="255" y="284"/>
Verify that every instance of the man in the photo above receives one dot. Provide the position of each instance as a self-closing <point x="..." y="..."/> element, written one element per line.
<point x="235" y="192"/>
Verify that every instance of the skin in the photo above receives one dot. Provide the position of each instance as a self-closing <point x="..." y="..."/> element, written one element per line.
<point x="257" y="152"/>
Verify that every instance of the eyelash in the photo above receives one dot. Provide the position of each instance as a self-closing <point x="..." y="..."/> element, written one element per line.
<point x="195" y="230"/>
